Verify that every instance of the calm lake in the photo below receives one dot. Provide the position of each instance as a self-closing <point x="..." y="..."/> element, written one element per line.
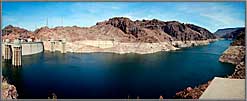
<point x="109" y="75"/>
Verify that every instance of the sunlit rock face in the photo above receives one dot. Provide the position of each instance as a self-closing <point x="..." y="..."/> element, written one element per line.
<point x="235" y="54"/>
<point x="10" y="32"/>
<point x="236" y="51"/>
<point x="178" y="31"/>
<point x="130" y="36"/>
<point x="8" y="91"/>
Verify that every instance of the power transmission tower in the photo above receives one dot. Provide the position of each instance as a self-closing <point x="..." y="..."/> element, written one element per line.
<point x="47" y="22"/>
<point x="62" y="21"/>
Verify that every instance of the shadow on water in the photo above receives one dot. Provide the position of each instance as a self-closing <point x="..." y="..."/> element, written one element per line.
<point x="13" y="75"/>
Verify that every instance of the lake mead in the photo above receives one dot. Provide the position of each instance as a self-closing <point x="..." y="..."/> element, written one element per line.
<point x="117" y="76"/>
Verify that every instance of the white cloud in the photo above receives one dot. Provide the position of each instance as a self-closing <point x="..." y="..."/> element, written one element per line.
<point x="215" y="15"/>
<point x="222" y="18"/>
<point x="115" y="7"/>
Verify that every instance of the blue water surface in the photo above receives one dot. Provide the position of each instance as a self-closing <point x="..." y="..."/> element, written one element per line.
<point x="115" y="76"/>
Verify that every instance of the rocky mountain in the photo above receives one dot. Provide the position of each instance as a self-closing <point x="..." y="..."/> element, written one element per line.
<point x="120" y="29"/>
<point x="227" y="32"/>
<point x="12" y="32"/>
<point x="178" y="31"/>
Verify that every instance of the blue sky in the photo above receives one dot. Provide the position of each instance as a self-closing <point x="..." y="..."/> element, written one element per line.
<point x="210" y="15"/>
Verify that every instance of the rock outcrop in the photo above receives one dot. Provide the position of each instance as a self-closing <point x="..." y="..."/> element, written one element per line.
<point x="233" y="55"/>
<point x="239" y="72"/>
<point x="12" y="33"/>
<point x="236" y="51"/>
<point x="239" y="54"/>
<point x="8" y="91"/>
<point x="178" y="31"/>
<point x="240" y="39"/>
<point x="192" y="93"/>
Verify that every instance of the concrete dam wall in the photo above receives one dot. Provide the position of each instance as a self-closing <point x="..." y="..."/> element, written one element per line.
<point x="29" y="48"/>
<point x="32" y="48"/>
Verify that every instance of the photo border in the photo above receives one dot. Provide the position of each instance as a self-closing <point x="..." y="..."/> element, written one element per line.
<point x="122" y="1"/>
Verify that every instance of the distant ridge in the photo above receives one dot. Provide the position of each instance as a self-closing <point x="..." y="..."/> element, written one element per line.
<point x="121" y="29"/>
<point x="227" y="32"/>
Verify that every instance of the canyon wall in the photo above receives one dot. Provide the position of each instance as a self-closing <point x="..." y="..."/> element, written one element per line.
<point x="119" y="35"/>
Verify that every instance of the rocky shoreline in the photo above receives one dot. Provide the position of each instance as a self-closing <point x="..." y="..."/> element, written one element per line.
<point x="239" y="72"/>
<point x="8" y="91"/>
<point x="192" y="93"/>
<point x="235" y="54"/>
<point x="90" y="46"/>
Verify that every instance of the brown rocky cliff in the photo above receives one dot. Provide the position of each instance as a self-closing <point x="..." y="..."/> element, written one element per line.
<point x="236" y="51"/>
<point x="99" y="32"/>
<point x="192" y="93"/>
<point x="205" y="34"/>
<point x="124" y="30"/>
<point x="178" y="31"/>
<point x="12" y="32"/>
<point x="240" y="37"/>
<point x="135" y="31"/>
<point x="8" y="91"/>
<point x="126" y="25"/>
